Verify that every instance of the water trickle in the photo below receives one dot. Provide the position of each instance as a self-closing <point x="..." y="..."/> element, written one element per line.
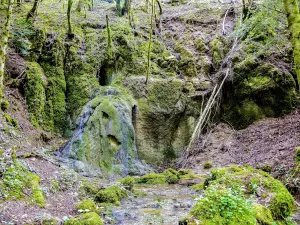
<point x="164" y="205"/>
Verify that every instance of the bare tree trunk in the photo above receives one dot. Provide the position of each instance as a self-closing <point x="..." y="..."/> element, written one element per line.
<point x="32" y="12"/>
<point x="4" y="43"/>
<point x="70" y="3"/>
<point x="150" y="41"/>
<point x="293" y="17"/>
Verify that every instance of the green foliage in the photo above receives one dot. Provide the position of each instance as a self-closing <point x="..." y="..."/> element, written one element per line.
<point x="4" y="105"/>
<point x="263" y="215"/>
<point x="112" y="194"/>
<point x="90" y="218"/>
<point x="297" y="159"/>
<point x="128" y="183"/>
<point x="172" y="176"/>
<point x="11" y="120"/>
<point x="86" y="206"/>
<point x="152" y="178"/>
<point x="207" y="165"/>
<point x="16" y="182"/>
<point x="22" y="34"/>
<point x="281" y="201"/>
<point x="220" y="205"/>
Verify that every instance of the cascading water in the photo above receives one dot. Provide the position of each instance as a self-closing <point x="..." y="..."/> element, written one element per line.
<point x="103" y="142"/>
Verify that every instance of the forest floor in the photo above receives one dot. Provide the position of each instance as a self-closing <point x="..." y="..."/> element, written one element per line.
<point x="269" y="142"/>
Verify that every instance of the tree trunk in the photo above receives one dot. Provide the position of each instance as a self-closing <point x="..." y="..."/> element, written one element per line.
<point x="150" y="41"/>
<point x="70" y="3"/>
<point x="32" y="12"/>
<point x="4" y="43"/>
<point x="293" y="17"/>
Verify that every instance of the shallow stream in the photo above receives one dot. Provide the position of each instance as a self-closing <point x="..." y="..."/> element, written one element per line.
<point x="163" y="205"/>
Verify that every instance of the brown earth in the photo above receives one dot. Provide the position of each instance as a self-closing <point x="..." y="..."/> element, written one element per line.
<point x="269" y="142"/>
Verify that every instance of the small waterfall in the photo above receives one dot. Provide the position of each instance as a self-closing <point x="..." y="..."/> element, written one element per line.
<point x="83" y="119"/>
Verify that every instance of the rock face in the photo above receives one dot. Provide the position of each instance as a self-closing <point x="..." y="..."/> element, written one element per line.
<point x="166" y="115"/>
<point x="104" y="141"/>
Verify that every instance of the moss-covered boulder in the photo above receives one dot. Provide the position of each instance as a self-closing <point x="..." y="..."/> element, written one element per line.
<point x="90" y="218"/>
<point x="241" y="194"/>
<point x="259" y="90"/>
<point x="165" y="117"/>
<point x="112" y="194"/>
<point x="104" y="140"/>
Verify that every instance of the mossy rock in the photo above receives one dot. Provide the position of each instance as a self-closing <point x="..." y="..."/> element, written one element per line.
<point x="152" y="178"/>
<point x="280" y="204"/>
<point x="259" y="90"/>
<point x="172" y="176"/>
<point x="128" y="183"/>
<point x="86" y="205"/>
<point x="111" y="194"/>
<point x="220" y="205"/>
<point x="263" y="215"/>
<point x="90" y="218"/>
<point x="4" y="104"/>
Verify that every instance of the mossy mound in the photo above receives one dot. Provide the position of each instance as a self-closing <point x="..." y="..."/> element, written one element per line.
<point x="16" y="182"/>
<point x="112" y="194"/>
<point x="128" y="183"/>
<point x="86" y="205"/>
<point x="169" y="176"/>
<point x="90" y="218"/>
<point x="243" y="195"/>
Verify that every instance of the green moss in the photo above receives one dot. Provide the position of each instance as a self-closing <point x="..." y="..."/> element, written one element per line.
<point x="111" y="194"/>
<point x="86" y="205"/>
<point x="198" y="187"/>
<point x="11" y="120"/>
<point x="218" y="50"/>
<point x="89" y="189"/>
<point x="207" y="165"/>
<point x="138" y="193"/>
<point x="128" y="182"/>
<point x="281" y="205"/>
<point x="219" y="205"/>
<point x="172" y="176"/>
<point x="35" y="93"/>
<point x="4" y="104"/>
<point x="36" y="191"/>
<point x="201" y="47"/>
<point x="16" y="182"/>
<point x="152" y="178"/>
<point x="187" y="64"/>
<point x="90" y="218"/>
<point x="297" y="159"/>
<point x="263" y="215"/>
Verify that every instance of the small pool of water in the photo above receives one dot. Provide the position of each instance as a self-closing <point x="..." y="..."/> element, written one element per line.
<point x="163" y="205"/>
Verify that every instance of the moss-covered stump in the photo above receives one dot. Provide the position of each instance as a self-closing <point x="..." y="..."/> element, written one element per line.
<point x="242" y="195"/>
